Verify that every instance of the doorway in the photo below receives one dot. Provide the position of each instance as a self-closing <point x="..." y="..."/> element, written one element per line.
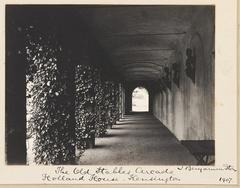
<point x="140" y="100"/>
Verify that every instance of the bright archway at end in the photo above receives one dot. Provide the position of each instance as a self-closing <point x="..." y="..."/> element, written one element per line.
<point x="140" y="100"/>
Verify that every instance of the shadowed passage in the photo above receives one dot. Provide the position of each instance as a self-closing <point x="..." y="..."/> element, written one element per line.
<point x="138" y="139"/>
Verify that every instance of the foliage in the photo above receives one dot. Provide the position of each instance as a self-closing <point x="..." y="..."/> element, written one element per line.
<point x="47" y="102"/>
<point x="85" y="101"/>
<point x="100" y="110"/>
<point x="113" y="89"/>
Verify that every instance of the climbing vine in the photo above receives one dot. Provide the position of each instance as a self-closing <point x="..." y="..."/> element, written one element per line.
<point x="47" y="101"/>
<point x="85" y="102"/>
<point x="101" y="104"/>
<point x="116" y="112"/>
<point x="113" y="114"/>
<point x="50" y="100"/>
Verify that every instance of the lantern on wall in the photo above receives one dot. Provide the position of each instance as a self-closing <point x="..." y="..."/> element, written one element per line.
<point x="176" y="73"/>
<point x="167" y="76"/>
<point x="191" y="64"/>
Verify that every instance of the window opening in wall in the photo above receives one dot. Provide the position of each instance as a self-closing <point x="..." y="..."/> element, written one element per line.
<point x="140" y="100"/>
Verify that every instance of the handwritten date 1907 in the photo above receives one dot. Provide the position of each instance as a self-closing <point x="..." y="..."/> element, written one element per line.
<point x="225" y="180"/>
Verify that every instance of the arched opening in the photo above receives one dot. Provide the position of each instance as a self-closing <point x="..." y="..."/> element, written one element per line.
<point x="140" y="100"/>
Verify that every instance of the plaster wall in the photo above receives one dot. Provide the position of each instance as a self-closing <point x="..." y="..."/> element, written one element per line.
<point x="187" y="110"/>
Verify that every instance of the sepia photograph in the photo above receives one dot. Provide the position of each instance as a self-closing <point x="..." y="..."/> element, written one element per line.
<point x="110" y="85"/>
<point x="119" y="92"/>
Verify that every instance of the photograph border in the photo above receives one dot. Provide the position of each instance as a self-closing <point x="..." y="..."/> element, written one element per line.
<point x="237" y="77"/>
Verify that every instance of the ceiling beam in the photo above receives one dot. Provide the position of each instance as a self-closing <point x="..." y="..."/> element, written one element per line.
<point x="142" y="75"/>
<point x="146" y="62"/>
<point x="138" y="78"/>
<point x="143" y="50"/>
<point x="140" y="63"/>
<point x="141" y="60"/>
<point x="135" y="72"/>
<point x="142" y="66"/>
<point x="146" y="34"/>
<point x="142" y="69"/>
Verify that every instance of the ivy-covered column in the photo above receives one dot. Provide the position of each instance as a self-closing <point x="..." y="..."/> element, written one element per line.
<point x="100" y="105"/>
<point x="123" y="100"/>
<point x="68" y="70"/>
<point x="111" y="99"/>
<point x="116" y="113"/>
<point x="120" y="101"/>
<point x="50" y="95"/>
<point x="106" y="111"/>
<point x="84" y="111"/>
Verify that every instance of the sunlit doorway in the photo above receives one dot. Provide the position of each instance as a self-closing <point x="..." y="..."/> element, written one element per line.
<point x="140" y="100"/>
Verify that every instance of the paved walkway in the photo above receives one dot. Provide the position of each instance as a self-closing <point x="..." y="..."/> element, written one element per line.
<point x="138" y="139"/>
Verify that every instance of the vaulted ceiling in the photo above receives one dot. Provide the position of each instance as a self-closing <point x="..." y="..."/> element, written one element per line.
<point x="139" y="40"/>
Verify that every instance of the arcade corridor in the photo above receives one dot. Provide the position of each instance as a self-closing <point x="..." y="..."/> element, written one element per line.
<point x="138" y="139"/>
<point x="71" y="72"/>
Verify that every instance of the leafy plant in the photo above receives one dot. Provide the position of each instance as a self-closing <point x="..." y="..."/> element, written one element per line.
<point x="47" y="101"/>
